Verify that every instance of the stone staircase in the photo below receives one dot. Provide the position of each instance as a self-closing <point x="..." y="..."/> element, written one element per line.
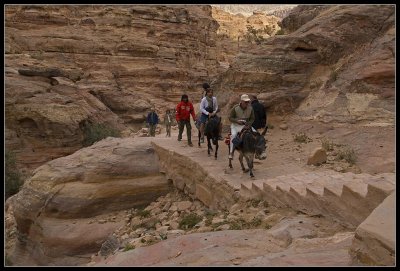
<point x="347" y="198"/>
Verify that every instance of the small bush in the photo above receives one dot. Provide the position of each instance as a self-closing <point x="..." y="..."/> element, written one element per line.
<point x="96" y="132"/>
<point x="253" y="34"/>
<point x="280" y="32"/>
<point x="327" y="144"/>
<point x="270" y="126"/>
<point x="255" y="222"/>
<point x="13" y="179"/>
<point x="209" y="216"/>
<point x="238" y="224"/>
<point x="348" y="155"/>
<point x="253" y="202"/>
<point x="143" y="213"/>
<point x="189" y="221"/>
<point x="301" y="138"/>
<point x="129" y="247"/>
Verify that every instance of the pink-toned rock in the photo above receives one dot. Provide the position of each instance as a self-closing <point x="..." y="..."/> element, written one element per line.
<point x="54" y="207"/>
<point x="283" y="126"/>
<point x="317" y="157"/>
<point x="245" y="248"/>
<point x="328" y="50"/>
<point x="86" y="64"/>
<point x="375" y="238"/>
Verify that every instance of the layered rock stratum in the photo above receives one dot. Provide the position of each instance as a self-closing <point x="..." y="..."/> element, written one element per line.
<point x="336" y="67"/>
<point x="67" y="65"/>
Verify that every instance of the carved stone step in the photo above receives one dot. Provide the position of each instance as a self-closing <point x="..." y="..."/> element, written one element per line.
<point x="347" y="198"/>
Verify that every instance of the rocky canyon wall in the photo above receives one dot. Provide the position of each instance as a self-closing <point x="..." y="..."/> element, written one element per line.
<point x="336" y="66"/>
<point x="69" y="65"/>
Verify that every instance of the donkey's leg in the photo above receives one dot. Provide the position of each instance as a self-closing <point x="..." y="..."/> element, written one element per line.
<point x="209" y="147"/>
<point x="230" y="160"/>
<point x="249" y="160"/>
<point x="199" y="135"/>
<point x="241" y="162"/>
<point x="216" y="150"/>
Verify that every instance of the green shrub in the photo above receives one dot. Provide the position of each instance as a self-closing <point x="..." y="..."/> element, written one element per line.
<point x="280" y="32"/>
<point x="13" y="180"/>
<point x="189" y="221"/>
<point x="348" y="155"/>
<point x="237" y="224"/>
<point x="209" y="214"/>
<point x="129" y="247"/>
<point x="301" y="138"/>
<point x="96" y="132"/>
<point x="253" y="34"/>
<point x="143" y="213"/>
<point x="255" y="222"/>
<point x="327" y="144"/>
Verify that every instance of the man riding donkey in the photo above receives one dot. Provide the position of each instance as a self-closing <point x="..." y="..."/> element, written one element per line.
<point x="241" y="116"/>
<point x="249" y="142"/>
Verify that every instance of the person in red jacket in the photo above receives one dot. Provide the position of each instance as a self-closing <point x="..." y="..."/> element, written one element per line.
<point x="183" y="111"/>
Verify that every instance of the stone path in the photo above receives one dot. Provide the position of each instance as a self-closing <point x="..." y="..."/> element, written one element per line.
<point x="345" y="197"/>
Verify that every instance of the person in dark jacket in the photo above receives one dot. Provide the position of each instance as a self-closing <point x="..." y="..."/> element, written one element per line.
<point x="152" y="121"/>
<point x="168" y="118"/>
<point x="259" y="114"/>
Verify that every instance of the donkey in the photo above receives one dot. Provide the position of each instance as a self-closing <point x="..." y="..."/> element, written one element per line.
<point x="253" y="144"/>
<point x="211" y="131"/>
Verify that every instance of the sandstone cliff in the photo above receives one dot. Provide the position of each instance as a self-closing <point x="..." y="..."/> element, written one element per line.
<point x="67" y="65"/>
<point x="339" y="66"/>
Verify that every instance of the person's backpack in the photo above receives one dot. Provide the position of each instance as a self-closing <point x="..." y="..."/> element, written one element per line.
<point x="237" y="141"/>
<point x="210" y="107"/>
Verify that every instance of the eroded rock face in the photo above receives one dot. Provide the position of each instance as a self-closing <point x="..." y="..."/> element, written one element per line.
<point x="324" y="69"/>
<point x="109" y="64"/>
<point x="45" y="115"/>
<point x="233" y="34"/>
<point x="55" y="207"/>
<point x="300" y="15"/>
